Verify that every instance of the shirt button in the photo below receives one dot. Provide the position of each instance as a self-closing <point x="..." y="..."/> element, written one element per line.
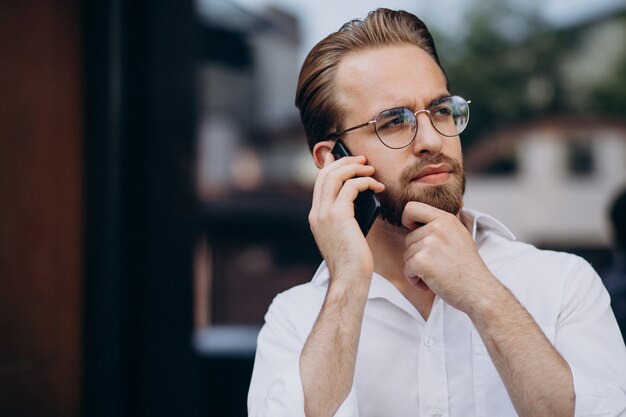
<point x="428" y="342"/>
<point x="437" y="412"/>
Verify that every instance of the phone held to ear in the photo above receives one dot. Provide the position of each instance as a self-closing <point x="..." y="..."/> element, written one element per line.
<point x="366" y="205"/>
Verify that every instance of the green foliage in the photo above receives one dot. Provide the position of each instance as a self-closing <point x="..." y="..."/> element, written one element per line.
<point x="511" y="64"/>
<point x="610" y="100"/>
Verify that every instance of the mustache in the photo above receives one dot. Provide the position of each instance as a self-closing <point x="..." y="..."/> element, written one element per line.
<point x="412" y="171"/>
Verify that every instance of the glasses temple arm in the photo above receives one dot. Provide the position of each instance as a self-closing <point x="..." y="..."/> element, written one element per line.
<point x="337" y="134"/>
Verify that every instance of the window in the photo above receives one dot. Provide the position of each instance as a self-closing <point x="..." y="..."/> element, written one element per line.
<point x="580" y="161"/>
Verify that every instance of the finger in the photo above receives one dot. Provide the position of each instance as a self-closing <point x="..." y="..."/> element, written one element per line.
<point x="337" y="177"/>
<point x="416" y="214"/>
<point x="354" y="186"/>
<point x="415" y="280"/>
<point x="329" y="158"/>
<point x="358" y="159"/>
<point x="317" y="190"/>
<point x="331" y="168"/>
<point x="320" y="179"/>
<point x="411" y="250"/>
<point x="330" y="179"/>
<point x="420" y="232"/>
<point x="350" y="171"/>
<point x="412" y="271"/>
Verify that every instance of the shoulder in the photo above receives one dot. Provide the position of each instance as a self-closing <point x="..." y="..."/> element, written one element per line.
<point x="499" y="247"/>
<point x="307" y="297"/>
<point x="528" y="257"/>
<point x="297" y="307"/>
<point x="539" y="274"/>
<point x="304" y="296"/>
<point x="552" y="285"/>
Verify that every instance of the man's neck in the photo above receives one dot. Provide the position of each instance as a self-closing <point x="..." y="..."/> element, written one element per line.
<point x="387" y="244"/>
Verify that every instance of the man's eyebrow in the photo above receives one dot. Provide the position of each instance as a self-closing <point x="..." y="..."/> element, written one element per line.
<point x="413" y="104"/>
<point x="439" y="97"/>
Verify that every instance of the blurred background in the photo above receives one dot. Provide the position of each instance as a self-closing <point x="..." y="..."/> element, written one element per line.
<point x="155" y="181"/>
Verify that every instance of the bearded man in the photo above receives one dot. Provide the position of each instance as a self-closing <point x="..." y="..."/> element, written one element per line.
<point x="438" y="311"/>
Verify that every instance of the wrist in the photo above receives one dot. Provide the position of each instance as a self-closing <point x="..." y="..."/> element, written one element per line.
<point x="489" y="303"/>
<point x="344" y="285"/>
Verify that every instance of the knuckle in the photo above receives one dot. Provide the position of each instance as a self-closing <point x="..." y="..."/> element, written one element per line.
<point x="327" y="171"/>
<point x="312" y="218"/>
<point x="351" y="184"/>
<point x="438" y="226"/>
<point x="421" y="257"/>
<point x="410" y="206"/>
<point x="429" y="242"/>
<point x="448" y="218"/>
<point x="321" y="173"/>
<point x="322" y="216"/>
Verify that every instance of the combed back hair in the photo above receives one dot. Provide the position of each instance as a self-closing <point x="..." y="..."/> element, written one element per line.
<point x="315" y="98"/>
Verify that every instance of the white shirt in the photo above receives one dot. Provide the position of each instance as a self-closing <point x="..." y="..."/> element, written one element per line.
<point x="408" y="366"/>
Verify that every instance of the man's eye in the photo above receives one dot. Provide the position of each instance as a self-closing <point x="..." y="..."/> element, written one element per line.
<point x="390" y="123"/>
<point x="441" y="112"/>
<point x="395" y="119"/>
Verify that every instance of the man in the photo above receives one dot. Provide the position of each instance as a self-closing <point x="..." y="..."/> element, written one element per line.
<point x="438" y="312"/>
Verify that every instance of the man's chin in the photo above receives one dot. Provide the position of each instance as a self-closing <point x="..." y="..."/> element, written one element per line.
<point x="444" y="198"/>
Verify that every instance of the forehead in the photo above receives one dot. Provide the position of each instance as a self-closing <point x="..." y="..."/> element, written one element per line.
<point x="376" y="79"/>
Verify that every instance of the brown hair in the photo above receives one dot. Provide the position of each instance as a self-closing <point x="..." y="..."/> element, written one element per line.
<point x="319" y="111"/>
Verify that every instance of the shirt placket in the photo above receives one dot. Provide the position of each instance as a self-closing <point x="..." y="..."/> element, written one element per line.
<point x="432" y="378"/>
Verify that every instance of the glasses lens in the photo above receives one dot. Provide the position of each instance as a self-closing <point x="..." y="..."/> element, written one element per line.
<point x="450" y="115"/>
<point x="396" y="127"/>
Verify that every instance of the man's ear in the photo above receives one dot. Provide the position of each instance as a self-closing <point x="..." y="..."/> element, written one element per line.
<point x="320" y="150"/>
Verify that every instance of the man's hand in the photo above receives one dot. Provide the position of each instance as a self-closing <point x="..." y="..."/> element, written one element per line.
<point x="332" y="221"/>
<point x="328" y="358"/>
<point x="441" y="253"/>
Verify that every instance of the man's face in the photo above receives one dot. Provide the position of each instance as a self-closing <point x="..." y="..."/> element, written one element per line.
<point x="430" y="169"/>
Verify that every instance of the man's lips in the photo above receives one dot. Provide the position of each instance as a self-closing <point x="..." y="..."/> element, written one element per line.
<point x="433" y="174"/>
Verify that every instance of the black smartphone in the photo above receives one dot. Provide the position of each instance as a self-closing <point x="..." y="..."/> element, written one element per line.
<point x="366" y="205"/>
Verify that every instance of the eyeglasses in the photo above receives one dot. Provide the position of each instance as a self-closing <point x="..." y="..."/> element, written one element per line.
<point x="396" y="128"/>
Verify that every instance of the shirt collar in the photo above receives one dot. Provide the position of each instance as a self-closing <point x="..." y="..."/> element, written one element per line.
<point x="479" y="224"/>
<point x="379" y="288"/>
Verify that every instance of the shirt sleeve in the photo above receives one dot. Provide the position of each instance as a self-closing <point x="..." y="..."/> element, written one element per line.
<point x="276" y="386"/>
<point x="588" y="337"/>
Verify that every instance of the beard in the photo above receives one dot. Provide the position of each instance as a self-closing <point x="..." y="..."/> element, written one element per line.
<point x="447" y="197"/>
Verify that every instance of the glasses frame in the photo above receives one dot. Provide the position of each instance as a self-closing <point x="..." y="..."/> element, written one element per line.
<point x="336" y="135"/>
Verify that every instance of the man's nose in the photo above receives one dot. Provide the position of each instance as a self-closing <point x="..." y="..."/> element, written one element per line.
<point x="427" y="140"/>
